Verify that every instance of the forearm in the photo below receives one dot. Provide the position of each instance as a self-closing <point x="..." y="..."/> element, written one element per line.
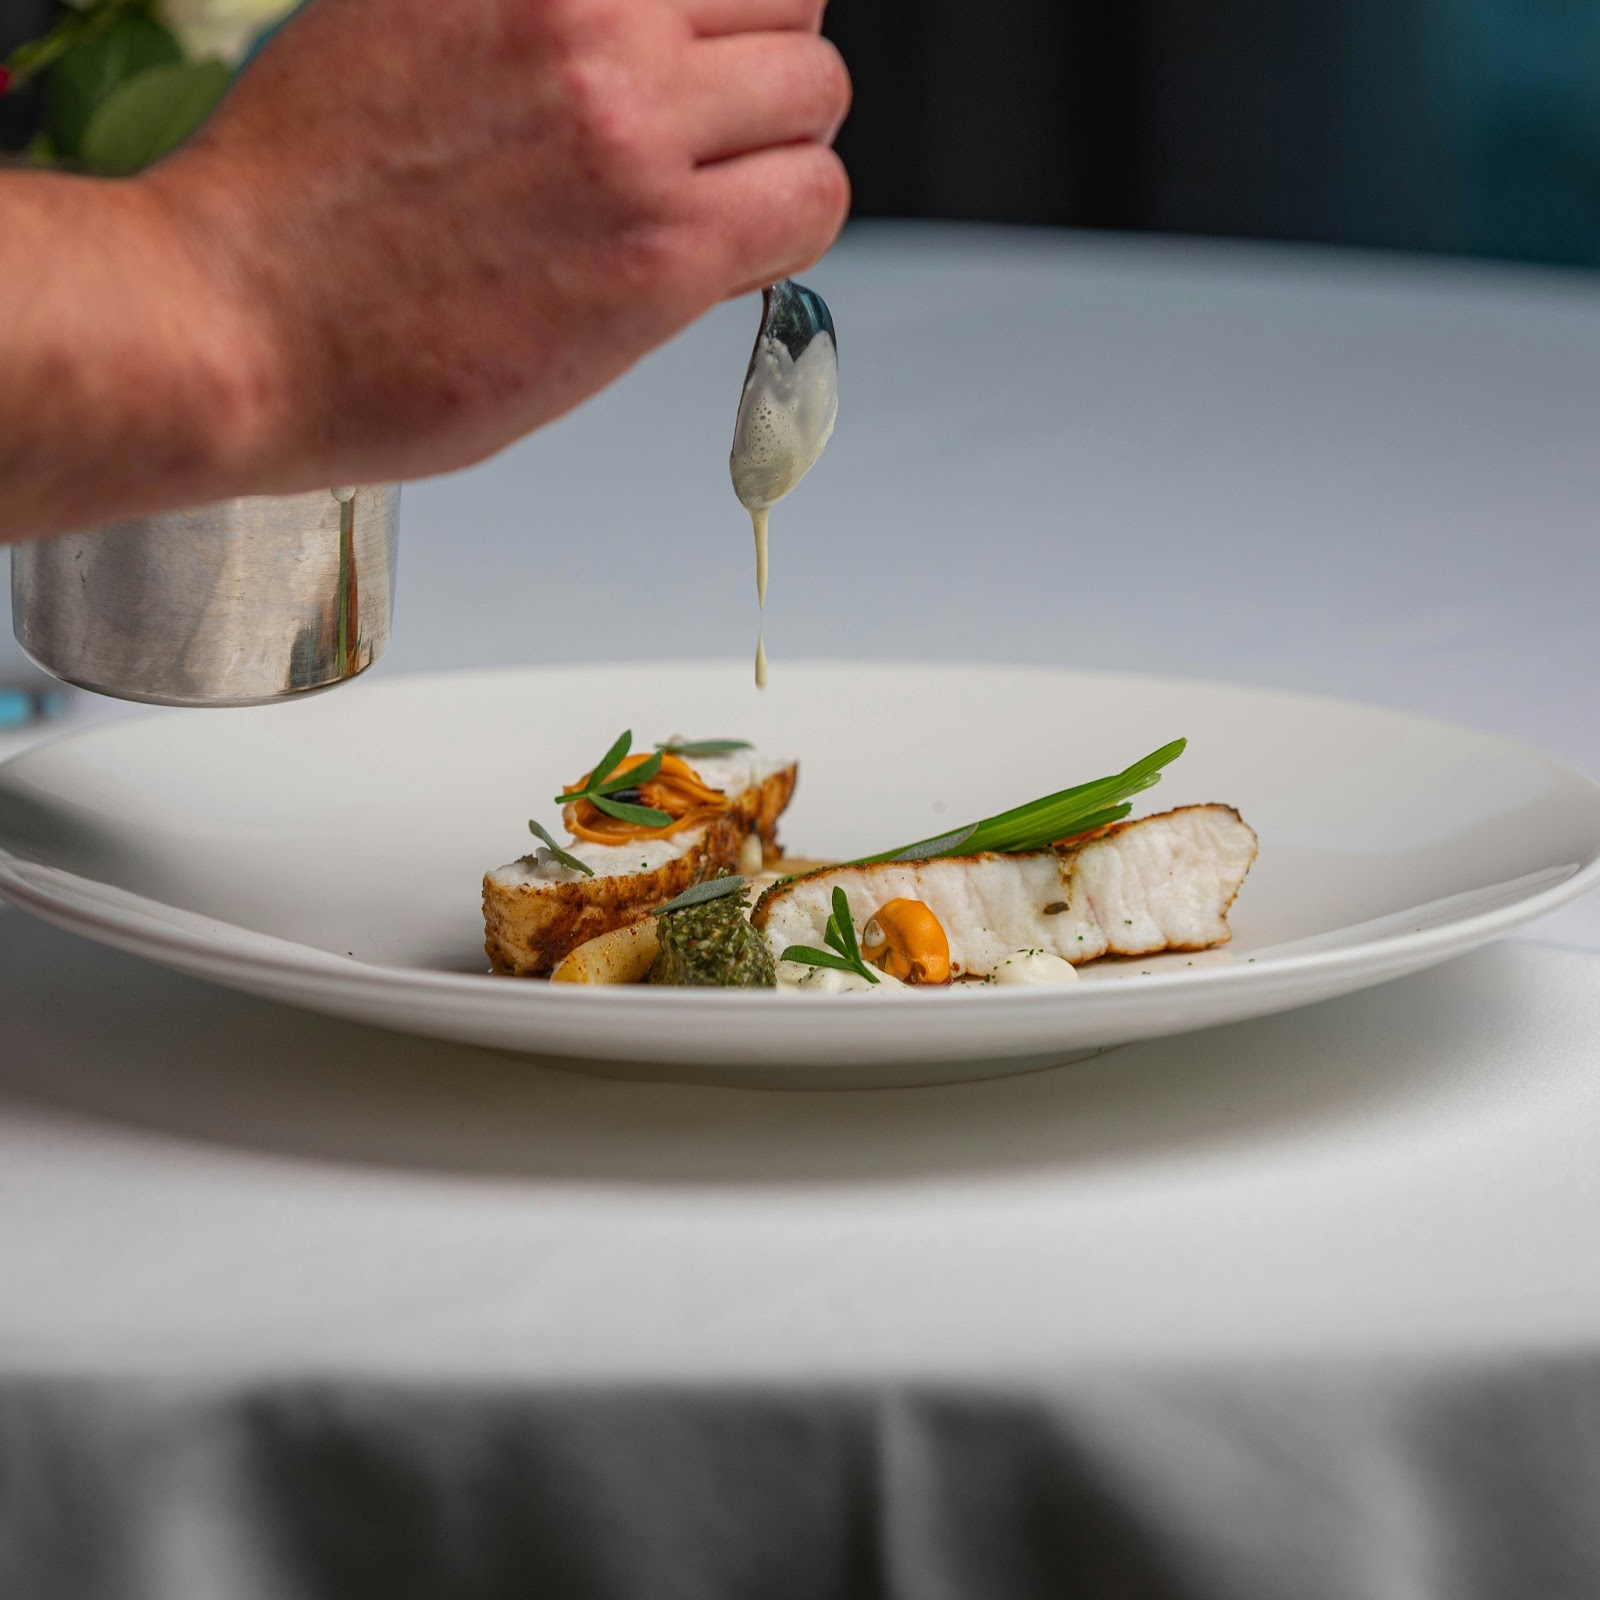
<point x="128" y="383"/>
<point x="410" y="234"/>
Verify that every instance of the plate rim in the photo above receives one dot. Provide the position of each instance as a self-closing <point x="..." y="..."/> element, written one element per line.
<point x="138" y="935"/>
<point x="376" y="681"/>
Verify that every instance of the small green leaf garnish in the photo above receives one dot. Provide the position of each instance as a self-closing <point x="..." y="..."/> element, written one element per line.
<point x="705" y="748"/>
<point x="626" y="811"/>
<point x="1044" y="822"/>
<point x="840" y="936"/>
<point x="699" y="893"/>
<point x="633" y="778"/>
<point x="842" y="929"/>
<point x="806" y="956"/>
<point x="600" y="785"/>
<point x="602" y="769"/>
<point x="607" y="764"/>
<point x="945" y="845"/>
<point x="557" y="852"/>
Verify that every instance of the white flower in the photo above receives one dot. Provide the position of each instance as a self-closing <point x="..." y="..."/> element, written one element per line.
<point x="221" y="28"/>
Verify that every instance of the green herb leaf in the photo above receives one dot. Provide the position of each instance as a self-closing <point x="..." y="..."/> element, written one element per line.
<point x="1040" y="823"/>
<point x="698" y="894"/>
<point x="87" y="73"/>
<point x="944" y="845"/>
<point x="608" y="763"/>
<point x="560" y="855"/>
<point x="601" y="785"/>
<point x="809" y="957"/>
<point x="149" y="114"/>
<point x="705" y="748"/>
<point x="598" y="779"/>
<point x="841" y="935"/>
<point x="624" y="811"/>
<point x="633" y="778"/>
<point x="845" y="925"/>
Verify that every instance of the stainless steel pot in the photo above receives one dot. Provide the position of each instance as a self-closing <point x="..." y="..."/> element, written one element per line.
<point x="232" y="604"/>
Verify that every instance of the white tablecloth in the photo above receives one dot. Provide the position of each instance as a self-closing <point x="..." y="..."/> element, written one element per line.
<point x="1307" y="1306"/>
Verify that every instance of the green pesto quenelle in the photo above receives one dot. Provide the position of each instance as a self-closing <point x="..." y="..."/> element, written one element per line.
<point x="712" y="945"/>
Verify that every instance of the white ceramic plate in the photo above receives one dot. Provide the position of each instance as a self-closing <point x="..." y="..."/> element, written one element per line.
<point x="329" y="853"/>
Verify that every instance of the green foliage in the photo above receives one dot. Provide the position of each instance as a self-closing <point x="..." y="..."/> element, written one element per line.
<point x="697" y="894"/>
<point x="149" y="114"/>
<point x="843" y="953"/>
<point x="704" y="748"/>
<point x="600" y="786"/>
<point x="1041" y="823"/>
<point x="74" y="27"/>
<point x="566" y="860"/>
<point x="91" y="71"/>
<point x="118" y="93"/>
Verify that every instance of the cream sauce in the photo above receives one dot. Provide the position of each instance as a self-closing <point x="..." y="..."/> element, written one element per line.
<point x="758" y="521"/>
<point x="786" y="417"/>
<point x="1034" y="966"/>
<point x="829" y="980"/>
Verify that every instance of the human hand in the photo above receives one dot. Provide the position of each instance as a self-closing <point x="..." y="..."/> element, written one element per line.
<point x="438" y="226"/>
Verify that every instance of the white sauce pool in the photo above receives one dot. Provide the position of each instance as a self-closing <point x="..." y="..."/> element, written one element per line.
<point x="827" y="980"/>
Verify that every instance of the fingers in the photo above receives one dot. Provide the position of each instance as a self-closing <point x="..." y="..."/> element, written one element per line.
<point x="712" y="18"/>
<point x="751" y="91"/>
<point x="774" y="212"/>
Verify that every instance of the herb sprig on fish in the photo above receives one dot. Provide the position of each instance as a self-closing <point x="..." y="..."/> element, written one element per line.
<point x="697" y="894"/>
<point x="1046" y="821"/>
<point x="843" y="953"/>
<point x="557" y="853"/>
<point x="601" y="787"/>
<point x="704" y="749"/>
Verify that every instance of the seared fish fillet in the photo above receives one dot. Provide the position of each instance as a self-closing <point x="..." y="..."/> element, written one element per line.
<point x="1161" y="883"/>
<point x="535" y="913"/>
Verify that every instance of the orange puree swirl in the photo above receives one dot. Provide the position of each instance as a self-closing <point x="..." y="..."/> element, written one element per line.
<point x="675" y="789"/>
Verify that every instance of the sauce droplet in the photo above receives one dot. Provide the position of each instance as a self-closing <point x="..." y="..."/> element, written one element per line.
<point x="758" y="521"/>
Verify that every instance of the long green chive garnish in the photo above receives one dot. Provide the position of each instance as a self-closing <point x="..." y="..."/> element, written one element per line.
<point x="1042" y="823"/>
<point x="600" y="786"/>
<point x="699" y="893"/>
<point x="840" y="936"/>
<point x="704" y="748"/>
<point x="559" y="854"/>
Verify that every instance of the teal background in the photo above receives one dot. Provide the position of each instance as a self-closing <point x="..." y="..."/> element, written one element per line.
<point x="1463" y="126"/>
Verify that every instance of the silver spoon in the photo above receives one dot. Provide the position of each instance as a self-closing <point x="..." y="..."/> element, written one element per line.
<point x="787" y="411"/>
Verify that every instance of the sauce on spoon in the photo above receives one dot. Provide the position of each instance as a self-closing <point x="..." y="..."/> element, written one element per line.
<point x="787" y="411"/>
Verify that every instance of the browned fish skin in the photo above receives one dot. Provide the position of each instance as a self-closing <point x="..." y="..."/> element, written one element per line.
<point x="530" y="927"/>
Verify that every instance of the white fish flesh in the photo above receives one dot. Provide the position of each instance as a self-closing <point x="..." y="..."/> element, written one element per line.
<point x="1161" y="883"/>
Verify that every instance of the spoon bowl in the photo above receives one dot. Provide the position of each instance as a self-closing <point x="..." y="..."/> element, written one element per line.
<point x="790" y="399"/>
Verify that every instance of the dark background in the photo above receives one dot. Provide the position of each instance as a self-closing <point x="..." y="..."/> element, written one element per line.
<point x="1457" y="125"/>
<point x="1469" y="126"/>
